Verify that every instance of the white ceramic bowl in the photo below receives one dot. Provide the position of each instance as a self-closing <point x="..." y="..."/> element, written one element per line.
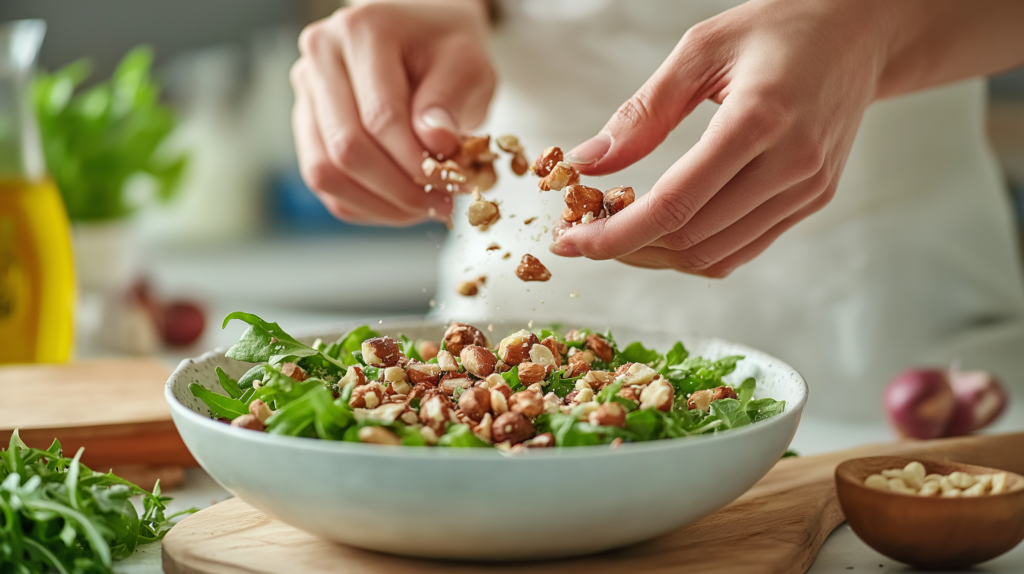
<point x="480" y="503"/>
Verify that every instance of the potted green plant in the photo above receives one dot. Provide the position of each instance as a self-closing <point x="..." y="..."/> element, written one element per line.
<point x="96" y="140"/>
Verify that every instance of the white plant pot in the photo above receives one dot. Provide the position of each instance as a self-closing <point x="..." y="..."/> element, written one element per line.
<point x="106" y="256"/>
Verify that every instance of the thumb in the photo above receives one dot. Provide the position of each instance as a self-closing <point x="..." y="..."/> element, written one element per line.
<point x="451" y="99"/>
<point x="644" y="120"/>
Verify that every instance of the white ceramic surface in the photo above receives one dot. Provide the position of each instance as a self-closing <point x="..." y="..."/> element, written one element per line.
<point x="480" y="503"/>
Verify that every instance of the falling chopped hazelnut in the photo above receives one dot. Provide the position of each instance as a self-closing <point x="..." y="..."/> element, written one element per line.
<point x="506" y="255"/>
<point x="482" y="213"/>
<point x="493" y="247"/>
<point x="468" y="288"/>
<point x="531" y="269"/>
<point x="574" y="295"/>
<point x="529" y="220"/>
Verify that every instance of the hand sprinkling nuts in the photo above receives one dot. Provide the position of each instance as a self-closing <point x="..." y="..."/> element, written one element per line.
<point x="531" y="269"/>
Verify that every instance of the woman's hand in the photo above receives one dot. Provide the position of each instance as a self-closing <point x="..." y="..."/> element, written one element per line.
<point x="793" y="79"/>
<point x="376" y="86"/>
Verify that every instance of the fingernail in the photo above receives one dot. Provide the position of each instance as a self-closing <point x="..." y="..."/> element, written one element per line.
<point x="440" y="119"/>
<point x="564" y="249"/>
<point x="591" y="150"/>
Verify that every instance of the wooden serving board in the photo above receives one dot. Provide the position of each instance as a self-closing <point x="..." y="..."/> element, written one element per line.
<point x="114" y="408"/>
<point x="776" y="527"/>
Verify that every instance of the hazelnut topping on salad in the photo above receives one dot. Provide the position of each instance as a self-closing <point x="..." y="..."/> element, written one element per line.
<point x="532" y="390"/>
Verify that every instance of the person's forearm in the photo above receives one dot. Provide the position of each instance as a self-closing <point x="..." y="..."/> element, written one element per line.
<point x="933" y="42"/>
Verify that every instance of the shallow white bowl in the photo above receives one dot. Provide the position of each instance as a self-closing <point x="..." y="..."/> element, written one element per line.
<point x="480" y="503"/>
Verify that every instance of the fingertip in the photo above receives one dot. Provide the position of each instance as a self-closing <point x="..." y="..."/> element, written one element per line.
<point x="590" y="151"/>
<point x="437" y="131"/>
<point x="564" y="249"/>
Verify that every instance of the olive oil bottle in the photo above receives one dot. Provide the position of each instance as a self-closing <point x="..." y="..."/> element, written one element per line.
<point x="37" y="282"/>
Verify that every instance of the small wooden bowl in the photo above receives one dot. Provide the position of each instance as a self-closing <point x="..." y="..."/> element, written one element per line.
<point x="930" y="532"/>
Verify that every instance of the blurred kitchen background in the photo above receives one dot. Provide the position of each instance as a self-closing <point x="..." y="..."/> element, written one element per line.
<point x="242" y="232"/>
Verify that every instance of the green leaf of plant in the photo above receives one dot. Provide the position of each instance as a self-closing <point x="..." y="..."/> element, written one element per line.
<point x="230" y="385"/>
<point x="636" y="353"/>
<point x="730" y="412"/>
<point x="761" y="409"/>
<point x="461" y="436"/>
<point x="220" y="405"/>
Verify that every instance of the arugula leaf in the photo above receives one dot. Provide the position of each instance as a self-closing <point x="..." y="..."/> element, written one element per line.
<point x="254" y="374"/>
<point x="409" y="348"/>
<point x="676" y="355"/>
<point x="57" y="515"/>
<point x="220" y="405"/>
<point x="647" y="424"/>
<point x="561" y="387"/>
<point x="730" y="412"/>
<point x="635" y="352"/>
<point x="461" y="436"/>
<point x="230" y="385"/>
<point x="761" y="409"/>
<point x="790" y="454"/>
<point x="264" y="341"/>
<point x="512" y="379"/>
<point x="745" y="391"/>
<point x="698" y="373"/>
<point x="349" y="343"/>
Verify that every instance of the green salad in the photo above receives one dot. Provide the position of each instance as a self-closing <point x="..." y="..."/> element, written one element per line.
<point x="532" y="389"/>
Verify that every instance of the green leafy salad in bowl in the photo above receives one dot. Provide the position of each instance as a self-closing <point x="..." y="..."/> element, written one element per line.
<point x="533" y="389"/>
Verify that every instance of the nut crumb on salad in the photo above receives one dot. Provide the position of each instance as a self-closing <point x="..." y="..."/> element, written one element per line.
<point x="529" y="390"/>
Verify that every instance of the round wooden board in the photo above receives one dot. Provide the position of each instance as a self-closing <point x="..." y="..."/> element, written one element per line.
<point x="777" y="527"/>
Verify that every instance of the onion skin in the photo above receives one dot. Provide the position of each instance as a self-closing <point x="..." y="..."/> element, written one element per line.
<point x="920" y="403"/>
<point x="980" y="399"/>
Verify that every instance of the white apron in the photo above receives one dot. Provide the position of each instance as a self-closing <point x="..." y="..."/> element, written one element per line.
<point x="914" y="261"/>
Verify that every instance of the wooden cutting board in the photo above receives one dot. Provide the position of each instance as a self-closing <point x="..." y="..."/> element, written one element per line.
<point x="114" y="408"/>
<point x="776" y="527"/>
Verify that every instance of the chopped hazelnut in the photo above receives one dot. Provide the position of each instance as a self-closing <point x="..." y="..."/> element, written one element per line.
<point x="478" y="361"/>
<point x="657" y="395"/>
<point x="368" y="396"/>
<point x="482" y="213"/>
<point x="598" y="379"/>
<point x="424" y="373"/>
<point x="379" y="435"/>
<point x="542" y="355"/>
<point x="499" y="401"/>
<point x="294" y="371"/>
<point x="724" y="393"/>
<point x="428" y="349"/>
<point x="609" y="414"/>
<point x="628" y="393"/>
<point x="544" y="440"/>
<point x="458" y="335"/>
<point x="475" y="402"/>
<point x="483" y="429"/>
<point x="353" y="374"/>
<point x="260" y="410"/>
<point x="248" y="422"/>
<point x="381" y="352"/>
<point x="520" y="165"/>
<point x="512" y="427"/>
<point x="546" y="161"/>
<point x="529" y="403"/>
<point x="447" y="361"/>
<point x="467" y="288"/>
<point x="561" y="175"/>
<point x="530" y="373"/>
<point x="636" y="374"/>
<point x="618" y="198"/>
<point x="579" y="200"/>
<point x="599" y="346"/>
<point x="531" y="269"/>
<point x="493" y="247"/>
<point x="435" y="412"/>
<point x="552" y="402"/>
<point x="515" y="348"/>
<point x="451" y="381"/>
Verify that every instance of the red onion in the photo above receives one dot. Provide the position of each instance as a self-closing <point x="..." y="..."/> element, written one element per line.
<point x="980" y="399"/>
<point x="920" y="402"/>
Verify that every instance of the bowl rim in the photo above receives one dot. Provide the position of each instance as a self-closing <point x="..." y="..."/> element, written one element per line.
<point x="1016" y="491"/>
<point x="425" y="452"/>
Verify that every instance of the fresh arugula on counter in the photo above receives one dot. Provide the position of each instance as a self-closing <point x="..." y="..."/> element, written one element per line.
<point x="56" y="515"/>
